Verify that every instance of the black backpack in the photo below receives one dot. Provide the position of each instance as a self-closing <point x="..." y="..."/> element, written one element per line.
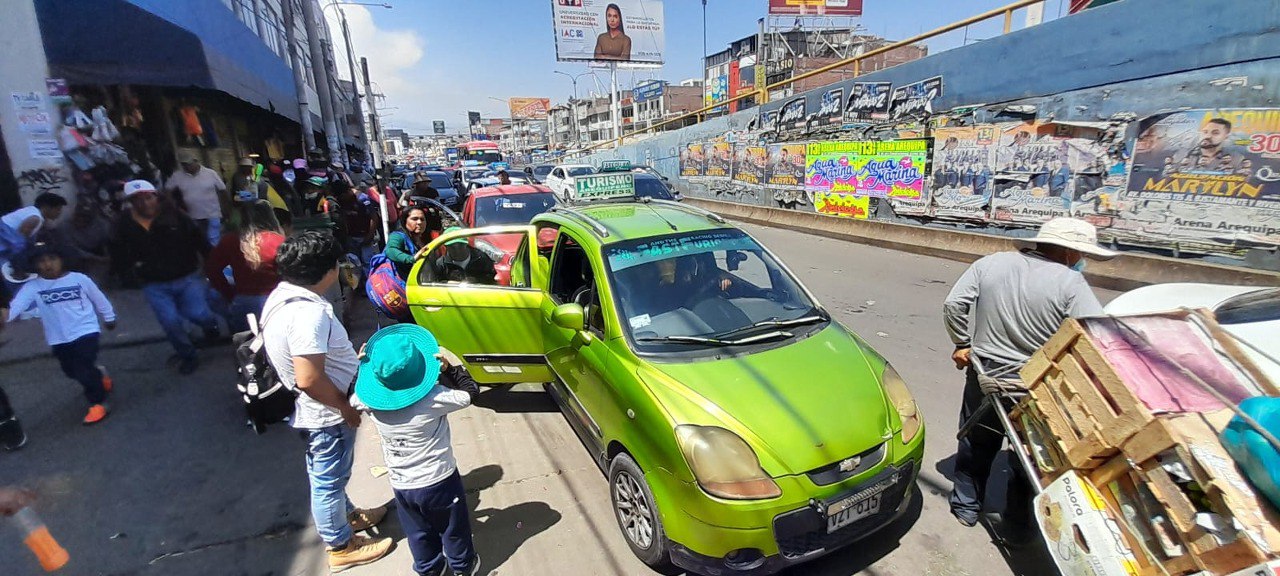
<point x="267" y="400"/>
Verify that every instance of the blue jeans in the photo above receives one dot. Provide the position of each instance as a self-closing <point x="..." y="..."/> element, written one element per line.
<point x="242" y="305"/>
<point x="178" y="300"/>
<point x="212" y="228"/>
<point x="330" y="453"/>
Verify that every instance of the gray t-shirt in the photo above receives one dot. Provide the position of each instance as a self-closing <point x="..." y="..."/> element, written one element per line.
<point x="416" y="441"/>
<point x="199" y="192"/>
<point x="303" y="328"/>
<point x="1007" y="305"/>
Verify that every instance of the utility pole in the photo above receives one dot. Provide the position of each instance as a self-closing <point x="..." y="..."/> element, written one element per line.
<point x="375" y="146"/>
<point x="355" y="82"/>
<point x="320" y="68"/>
<point x="299" y="78"/>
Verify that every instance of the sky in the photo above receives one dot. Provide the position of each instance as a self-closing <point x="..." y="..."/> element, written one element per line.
<point x="436" y="59"/>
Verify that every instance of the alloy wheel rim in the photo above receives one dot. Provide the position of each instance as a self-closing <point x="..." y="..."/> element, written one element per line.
<point x="633" y="510"/>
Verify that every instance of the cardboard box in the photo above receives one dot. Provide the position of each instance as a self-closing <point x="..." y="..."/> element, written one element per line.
<point x="1082" y="537"/>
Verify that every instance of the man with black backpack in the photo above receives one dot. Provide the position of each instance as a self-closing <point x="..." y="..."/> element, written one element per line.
<point x="310" y="351"/>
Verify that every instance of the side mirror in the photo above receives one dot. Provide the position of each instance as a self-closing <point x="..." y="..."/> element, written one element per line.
<point x="569" y="316"/>
<point x="733" y="259"/>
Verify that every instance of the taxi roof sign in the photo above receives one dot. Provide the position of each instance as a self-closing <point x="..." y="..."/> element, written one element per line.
<point x="615" y="166"/>
<point x="605" y="186"/>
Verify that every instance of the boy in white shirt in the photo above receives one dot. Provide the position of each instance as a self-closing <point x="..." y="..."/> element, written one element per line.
<point x="69" y="305"/>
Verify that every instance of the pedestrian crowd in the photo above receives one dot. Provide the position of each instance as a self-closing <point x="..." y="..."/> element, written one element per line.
<point x="265" y="251"/>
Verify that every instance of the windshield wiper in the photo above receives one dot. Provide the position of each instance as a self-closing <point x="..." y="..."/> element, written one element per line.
<point x="719" y="341"/>
<point x="801" y="321"/>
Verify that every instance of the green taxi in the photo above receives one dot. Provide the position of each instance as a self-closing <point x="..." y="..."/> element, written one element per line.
<point x="742" y="429"/>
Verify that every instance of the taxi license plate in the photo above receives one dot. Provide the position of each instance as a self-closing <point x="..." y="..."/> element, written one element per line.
<point x="854" y="512"/>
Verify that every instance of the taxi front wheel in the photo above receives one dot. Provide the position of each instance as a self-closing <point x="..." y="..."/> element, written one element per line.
<point x="636" y="512"/>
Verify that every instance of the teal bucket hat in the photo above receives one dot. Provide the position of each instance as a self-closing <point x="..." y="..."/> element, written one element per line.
<point x="399" y="367"/>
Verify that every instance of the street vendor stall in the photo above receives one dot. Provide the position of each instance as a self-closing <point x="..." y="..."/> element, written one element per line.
<point x="1120" y="421"/>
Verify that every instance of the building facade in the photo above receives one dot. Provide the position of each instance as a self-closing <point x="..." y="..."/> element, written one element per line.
<point x="119" y="89"/>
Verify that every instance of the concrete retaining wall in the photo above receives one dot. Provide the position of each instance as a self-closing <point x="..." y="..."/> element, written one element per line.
<point x="1125" y="272"/>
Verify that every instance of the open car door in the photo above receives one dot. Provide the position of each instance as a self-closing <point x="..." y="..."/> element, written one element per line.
<point x="470" y="288"/>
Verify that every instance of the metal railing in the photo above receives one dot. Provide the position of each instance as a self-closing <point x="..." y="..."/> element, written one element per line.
<point x="762" y="94"/>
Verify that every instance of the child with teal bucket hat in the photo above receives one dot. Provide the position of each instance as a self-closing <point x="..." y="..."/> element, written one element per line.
<point x="409" y="385"/>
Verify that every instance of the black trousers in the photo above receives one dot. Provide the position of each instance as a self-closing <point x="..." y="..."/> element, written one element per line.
<point x="975" y="454"/>
<point x="79" y="361"/>
<point x="6" y="409"/>
<point x="437" y="526"/>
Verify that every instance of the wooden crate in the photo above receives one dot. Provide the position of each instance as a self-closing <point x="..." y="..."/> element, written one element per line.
<point x="1048" y="440"/>
<point x="1193" y="439"/>
<point x="1099" y="411"/>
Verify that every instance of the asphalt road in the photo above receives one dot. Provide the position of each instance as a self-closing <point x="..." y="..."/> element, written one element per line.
<point x="173" y="484"/>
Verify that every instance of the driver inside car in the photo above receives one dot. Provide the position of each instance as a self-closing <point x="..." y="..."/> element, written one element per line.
<point x="462" y="262"/>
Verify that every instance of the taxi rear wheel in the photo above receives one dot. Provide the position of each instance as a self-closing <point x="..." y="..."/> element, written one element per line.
<point x="637" y="513"/>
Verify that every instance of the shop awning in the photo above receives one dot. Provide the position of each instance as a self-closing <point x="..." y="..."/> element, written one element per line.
<point x="159" y="43"/>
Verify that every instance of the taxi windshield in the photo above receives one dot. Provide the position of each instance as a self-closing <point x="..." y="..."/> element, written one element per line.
<point x="512" y="209"/>
<point x="711" y="288"/>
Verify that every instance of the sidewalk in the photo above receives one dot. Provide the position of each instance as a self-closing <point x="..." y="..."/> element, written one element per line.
<point x="23" y="340"/>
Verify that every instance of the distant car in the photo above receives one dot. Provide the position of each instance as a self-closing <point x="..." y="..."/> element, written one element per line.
<point x="449" y="195"/>
<point x="642" y="169"/>
<point x="560" y="179"/>
<point x="516" y="176"/>
<point x="464" y="176"/>
<point x="648" y="186"/>
<point x="1250" y="313"/>
<point x="501" y="206"/>
<point x="540" y="172"/>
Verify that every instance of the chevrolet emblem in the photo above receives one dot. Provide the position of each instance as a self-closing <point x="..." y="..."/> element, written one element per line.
<point x="848" y="464"/>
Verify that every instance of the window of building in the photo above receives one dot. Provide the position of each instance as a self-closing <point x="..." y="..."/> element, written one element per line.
<point x="244" y="11"/>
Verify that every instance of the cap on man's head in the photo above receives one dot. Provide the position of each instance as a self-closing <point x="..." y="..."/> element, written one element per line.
<point x="246" y="162"/>
<point x="135" y="187"/>
<point x="337" y="166"/>
<point x="455" y="240"/>
<point x="188" y="159"/>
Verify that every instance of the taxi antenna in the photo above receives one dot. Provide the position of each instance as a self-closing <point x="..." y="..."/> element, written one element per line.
<point x="673" y="227"/>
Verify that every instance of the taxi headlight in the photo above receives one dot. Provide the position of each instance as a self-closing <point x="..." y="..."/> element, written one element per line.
<point x="896" y="389"/>
<point x="724" y="465"/>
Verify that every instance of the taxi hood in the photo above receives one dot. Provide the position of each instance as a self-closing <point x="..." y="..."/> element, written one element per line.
<point x="800" y="406"/>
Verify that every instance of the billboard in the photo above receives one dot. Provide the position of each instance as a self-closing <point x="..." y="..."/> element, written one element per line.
<point x="622" y="31"/>
<point x="529" y="108"/>
<point x="1208" y="173"/>
<point x="880" y="169"/>
<point x="437" y="126"/>
<point x="816" y="7"/>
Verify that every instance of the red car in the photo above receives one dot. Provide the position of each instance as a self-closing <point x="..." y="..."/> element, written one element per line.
<point x="504" y="205"/>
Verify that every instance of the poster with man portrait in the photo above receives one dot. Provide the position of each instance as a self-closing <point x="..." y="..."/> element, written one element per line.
<point x="693" y="161"/>
<point x="719" y="160"/>
<point x="1209" y="173"/>
<point x="1045" y="170"/>
<point x="749" y="165"/>
<point x="785" y="170"/>
<point x="616" y="31"/>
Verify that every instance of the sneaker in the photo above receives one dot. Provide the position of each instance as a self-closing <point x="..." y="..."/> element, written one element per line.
<point x="474" y="569"/>
<point x="188" y="365"/>
<point x="96" y="414"/>
<point x="358" y="552"/>
<point x="362" y="519"/>
<point x="107" y="384"/>
<point x="11" y="434"/>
